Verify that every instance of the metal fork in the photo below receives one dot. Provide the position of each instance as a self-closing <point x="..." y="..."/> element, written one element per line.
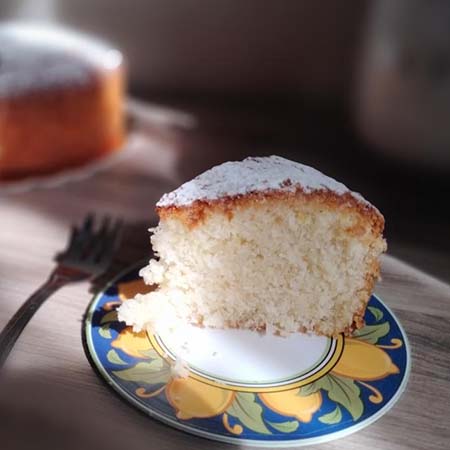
<point x="88" y="255"/>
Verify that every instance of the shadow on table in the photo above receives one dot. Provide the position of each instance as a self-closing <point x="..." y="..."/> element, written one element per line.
<point x="39" y="412"/>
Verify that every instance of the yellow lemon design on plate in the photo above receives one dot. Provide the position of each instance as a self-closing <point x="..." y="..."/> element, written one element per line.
<point x="363" y="361"/>
<point x="131" y="343"/>
<point x="191" y="398"/>
<point x="290" y="403"/>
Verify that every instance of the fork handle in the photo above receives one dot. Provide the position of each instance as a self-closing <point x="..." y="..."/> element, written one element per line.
<point x="17" y="323"/>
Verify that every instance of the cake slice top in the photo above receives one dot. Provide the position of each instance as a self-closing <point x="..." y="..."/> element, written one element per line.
<point x="259" y="174"/>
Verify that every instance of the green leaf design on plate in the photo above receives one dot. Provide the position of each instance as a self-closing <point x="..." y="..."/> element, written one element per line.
<point x="111" y="316"/>
<point x="313" y="387"/>
<point x="332" y="417"/>
<point x="341" y="390"/>
<point x="113" y="357"/>
<point x="151" y="353"/>
<point x="155" y="372"/>
<point x="248" y="412"/>
<point x="309" y="389"/>
<point x="104" y="331"/>
<point x="372" y="333"/>
<point x="345" y="392"/>
<point x="285" y="427"/>
<point x="376" y="312"/>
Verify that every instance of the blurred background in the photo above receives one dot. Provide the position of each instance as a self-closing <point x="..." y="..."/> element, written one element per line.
<point x="359" y="89"/>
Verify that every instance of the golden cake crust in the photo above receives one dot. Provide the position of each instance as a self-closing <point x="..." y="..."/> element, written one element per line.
<point x="195" y="213"/>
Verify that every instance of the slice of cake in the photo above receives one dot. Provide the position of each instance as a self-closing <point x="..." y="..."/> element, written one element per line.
<point x="265" y="244"/>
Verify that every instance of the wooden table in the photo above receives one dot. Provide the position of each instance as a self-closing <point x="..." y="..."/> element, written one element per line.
<point x="49" y="395"/>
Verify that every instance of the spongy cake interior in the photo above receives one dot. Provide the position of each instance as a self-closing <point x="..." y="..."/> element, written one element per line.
<point x="281" y="264"/>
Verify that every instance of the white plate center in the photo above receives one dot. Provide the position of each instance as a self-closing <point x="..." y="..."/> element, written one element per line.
<point x="244" y="357"/>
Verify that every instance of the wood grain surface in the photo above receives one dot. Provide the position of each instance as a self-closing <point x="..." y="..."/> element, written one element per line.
<point x="49" y="395"/>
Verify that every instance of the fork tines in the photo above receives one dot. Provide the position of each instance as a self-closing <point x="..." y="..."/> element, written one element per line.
<point x="92" y="243"/>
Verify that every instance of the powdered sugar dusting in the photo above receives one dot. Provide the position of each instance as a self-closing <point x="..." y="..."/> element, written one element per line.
<point x="37" y="57"/>
<point x="253" y="175"/>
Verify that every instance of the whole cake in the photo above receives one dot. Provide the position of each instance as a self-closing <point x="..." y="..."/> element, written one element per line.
<point x="265" y="244"/>
<point x="61" y="100"/>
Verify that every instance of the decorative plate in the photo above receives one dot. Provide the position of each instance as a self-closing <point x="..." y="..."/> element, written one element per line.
<point x="242" y="387"/>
